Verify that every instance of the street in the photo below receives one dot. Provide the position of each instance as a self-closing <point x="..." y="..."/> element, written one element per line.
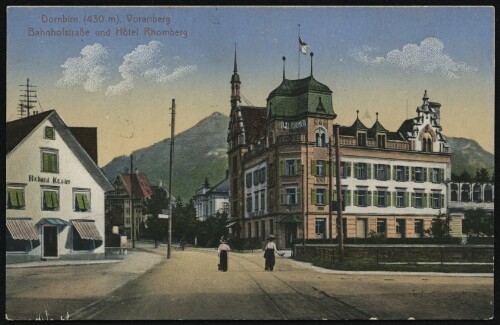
<point x="189" y="286"/>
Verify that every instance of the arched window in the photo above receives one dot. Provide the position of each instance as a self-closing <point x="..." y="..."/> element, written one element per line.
<point x="476" y="193"/>
<point x="488" y="193"/>
<point x="320" y="137"/>
<point x="465" y="194"/>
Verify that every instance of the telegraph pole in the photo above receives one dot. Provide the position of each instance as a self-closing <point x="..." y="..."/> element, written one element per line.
<point x="339" y="196"/>
<point x="172" y="138"/>
<point x="132" y="199"/>
<point x="330" y="181"/>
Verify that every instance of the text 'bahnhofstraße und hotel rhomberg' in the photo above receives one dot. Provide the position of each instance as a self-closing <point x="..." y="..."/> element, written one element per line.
<point x="98" y="25"/>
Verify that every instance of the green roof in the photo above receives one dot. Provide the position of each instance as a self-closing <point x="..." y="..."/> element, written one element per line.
<point x="296" y="97"/>
<point x="377" y="127"/>
<point x="358" y="125"/>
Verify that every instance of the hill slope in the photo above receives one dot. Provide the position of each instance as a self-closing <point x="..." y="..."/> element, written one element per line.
<point x="199" y="152"/>
<point x="468" y="155"/>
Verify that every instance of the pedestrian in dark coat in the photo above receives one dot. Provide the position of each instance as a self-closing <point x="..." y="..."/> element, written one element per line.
<point x="269" y="253"/>
<point x="223" y="249"/>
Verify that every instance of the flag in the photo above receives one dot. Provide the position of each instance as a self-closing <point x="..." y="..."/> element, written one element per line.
<point x="303" y="46"/>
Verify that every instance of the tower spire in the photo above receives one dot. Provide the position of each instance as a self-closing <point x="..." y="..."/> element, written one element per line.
<point x="312" y="54"/>
<point x="284" y="59"/>
<point x="235" y="63"/>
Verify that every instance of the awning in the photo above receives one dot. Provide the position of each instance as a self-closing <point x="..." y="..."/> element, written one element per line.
<point x="21" y="229"/>
<point x="87" y="229"/>
<point x="53" y="221"/>
<point x="230" y="224"/>
<point x="291" y="219"/>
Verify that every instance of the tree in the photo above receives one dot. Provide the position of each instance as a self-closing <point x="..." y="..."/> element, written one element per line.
<point x="156" y="228"/>
<point x="478" y="223"/>
<point x="482" y="175"/>
<point x="465" y="177"/>
<point x="185" y="224"/>
<point x="493" y="177"/>
<point x="440" y="227"/>
<point x="455" y="177"/>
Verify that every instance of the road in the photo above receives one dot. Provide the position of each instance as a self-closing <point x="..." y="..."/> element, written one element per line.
<point x="189" y="286"/>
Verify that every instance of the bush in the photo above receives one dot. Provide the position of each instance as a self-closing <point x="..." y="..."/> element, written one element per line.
<point x="376" y="238"/>
<point x="480" y="240"/>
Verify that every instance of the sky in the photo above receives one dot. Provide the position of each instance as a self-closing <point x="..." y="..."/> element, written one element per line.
<point x="118" y="68"/>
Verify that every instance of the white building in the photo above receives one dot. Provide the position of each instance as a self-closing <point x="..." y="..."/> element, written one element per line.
<point x="54" y="191"/>
<point x="210" y="200"/>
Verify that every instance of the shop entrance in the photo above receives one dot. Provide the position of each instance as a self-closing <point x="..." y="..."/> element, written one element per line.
<point x="49" y="241"/>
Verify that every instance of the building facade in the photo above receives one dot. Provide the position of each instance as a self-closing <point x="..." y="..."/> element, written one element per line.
<point x="54" y="191"/>
<point x="279" y="165"/>
<point x="212" y="200"/>
<point x="119" y="202"/>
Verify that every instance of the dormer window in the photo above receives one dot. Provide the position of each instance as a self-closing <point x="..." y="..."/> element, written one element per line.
<point x="320" y="137"/>
<point x="49" y="133"/>
<point x="381" y="140"/>
<point x="361" y="139"/>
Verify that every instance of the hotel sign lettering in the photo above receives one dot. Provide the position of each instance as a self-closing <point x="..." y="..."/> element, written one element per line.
<point x="296" y="125"/>
<point x="49" y="180"/>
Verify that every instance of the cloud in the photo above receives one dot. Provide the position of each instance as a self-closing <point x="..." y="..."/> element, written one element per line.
<point x="89" y="69"/>
<point x="428" y="57"/>
<point x="145" y="62"/>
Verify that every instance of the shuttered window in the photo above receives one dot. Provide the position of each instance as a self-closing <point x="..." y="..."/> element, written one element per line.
<point x="82" y="201"/>
<point x="49" y="133"/>
<point x="50" y="162"/>
<point x="50" y="199"/>
<point x="15" y="198"/>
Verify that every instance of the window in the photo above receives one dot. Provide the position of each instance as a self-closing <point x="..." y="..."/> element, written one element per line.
<point x="291" y="196"/>
<point x="345" y="169"/>
<point x="263" y="200"/>
<point x="49" y="133"/>
<point x="320" y="196"/>
<point x="50" y="161"/>
<point x="381" y="172"/>
<point x="419" y="228"/>
<point x="381" y="198"/>
<point x="320" y="137"/>
<point x="400" y="228"/>
<point x="427" y="144"/>
<point x="262" y="175"/>
<point x="81" y="199"/>
<point x="15" y="198"/>
<point x="488" y="194"/>
<point x="257" y="234"/>
<point x="382" y="226"/>
<point x="235" y="164"/>
<point x="418" y="174"/>
<point x="381" y="141"/>
<point x="18" y="245"/>
<point x="362" y="198"/>
<point x="400" y="173"/>
<point x="50" y="199"/>
<point x="256" y="206"/>
<point x="320" y="168"/>
<point x="362" y="171"/>
<point x="248" y="180"/>
<point x="465" y="196"/>
<point x="400" y="199"/>
<point x="361" y="139"/>
<point x="80" y="244"/>
<point x="256" y="177"/>
<point x="437" y="175"/>
<point x="419" y="200"/>
<point x="320" y="228"/>
<point x="249" y="202"/>
<point x="436" y="200"/>
<point x="476" y="193"/>
<point x="290" y="167"/>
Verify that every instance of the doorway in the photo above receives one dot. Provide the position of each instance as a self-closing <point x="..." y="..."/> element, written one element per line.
<point x="361" y="228"/>
<point x="49" y="241"/>
<point x="290" y="234"/>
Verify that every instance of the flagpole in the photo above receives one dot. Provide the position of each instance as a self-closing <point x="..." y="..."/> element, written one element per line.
<point x="298" y="60"/>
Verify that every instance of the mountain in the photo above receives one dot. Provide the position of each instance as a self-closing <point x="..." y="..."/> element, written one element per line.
<point x="467" y="154"/>
<point x="199" y="152"/>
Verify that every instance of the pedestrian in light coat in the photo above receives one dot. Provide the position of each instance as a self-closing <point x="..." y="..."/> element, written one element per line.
<point x="223" y="249"/>
<point x="269" y="253"/>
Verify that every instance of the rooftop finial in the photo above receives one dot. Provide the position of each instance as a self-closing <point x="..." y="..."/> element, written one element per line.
<point x="425" y="98"/>
<point x="312" y="54"/>
<point x="357" y="113"/>
<point x="284" y="59"/>
<point x="235" y="64"/>
<point x="377" y="115"/>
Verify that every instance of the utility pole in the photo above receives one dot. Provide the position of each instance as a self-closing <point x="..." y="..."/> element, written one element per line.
<point x="172" y="138"/>
<point x="132" y="199"/>
<point x="339" y="196"/>
<point x="330" y="181"/>
<point x="27" y="99"/>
